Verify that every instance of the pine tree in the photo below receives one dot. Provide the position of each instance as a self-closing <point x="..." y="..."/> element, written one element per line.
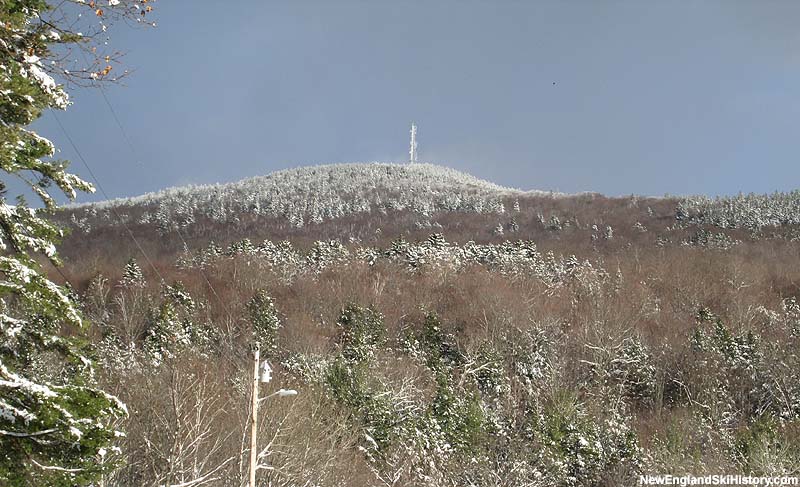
<point x="265" y="321"/>
<point x="132" y="276"/>
<point x="54" y="423"/>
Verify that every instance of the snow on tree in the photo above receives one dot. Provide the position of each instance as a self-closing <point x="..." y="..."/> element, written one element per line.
<point x="266" y="322"/>
<point x="311" y="195"/>
<point x="751" y="211"/>
<point x="54" y="424"/>
<point x="132" y="275"/>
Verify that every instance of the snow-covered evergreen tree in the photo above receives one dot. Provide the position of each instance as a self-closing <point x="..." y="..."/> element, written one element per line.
<point x="54" y="424"/>
<point x="132" y="276"/>
<point x="265" y="321"/>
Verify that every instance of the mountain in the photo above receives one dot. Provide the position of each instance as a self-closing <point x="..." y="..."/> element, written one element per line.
<point x="375" y="203"/>
<point x="442" y="330"/>
<point x="371" y="203"/>
<point x="314" y="194"/>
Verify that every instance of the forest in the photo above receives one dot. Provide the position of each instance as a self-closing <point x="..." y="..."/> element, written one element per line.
<point x="538" y="339"/>
<point x="393" y="324"/>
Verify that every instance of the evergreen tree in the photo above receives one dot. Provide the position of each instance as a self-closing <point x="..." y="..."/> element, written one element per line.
<point x="54" y="424"/>
<point x="266" y="322"/>
<point x="132" y="276"/>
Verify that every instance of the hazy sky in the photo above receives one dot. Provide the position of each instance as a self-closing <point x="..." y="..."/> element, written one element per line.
<point x="617" y="97"/>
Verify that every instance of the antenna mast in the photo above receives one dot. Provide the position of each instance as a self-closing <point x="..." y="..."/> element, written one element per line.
<point x="412" y="153"/>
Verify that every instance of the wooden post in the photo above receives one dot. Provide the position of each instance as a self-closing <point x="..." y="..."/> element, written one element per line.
<point x="254" y="422"/>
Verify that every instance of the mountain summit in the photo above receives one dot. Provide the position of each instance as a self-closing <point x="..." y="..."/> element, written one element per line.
<point x="316" y="194"/>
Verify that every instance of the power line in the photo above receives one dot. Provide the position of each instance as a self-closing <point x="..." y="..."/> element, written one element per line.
<point x="202" y="273"/>
<point x="105" y="195"/>
<point x="119" y="124"/>
<point x="128" y="141"/>
<point x="52" y="263"/>
<point x="60" y="272"/>
<point x="177" y="229"/>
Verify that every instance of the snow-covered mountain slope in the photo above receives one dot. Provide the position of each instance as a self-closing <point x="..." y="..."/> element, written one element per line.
<point x="312" y="194"/>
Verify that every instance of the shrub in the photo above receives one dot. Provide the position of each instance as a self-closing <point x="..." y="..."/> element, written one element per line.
<point x="363" y="332"/>
<point x="583" y="448"/>
<point x="432" y="344"/>
<point x="458" y="414"/>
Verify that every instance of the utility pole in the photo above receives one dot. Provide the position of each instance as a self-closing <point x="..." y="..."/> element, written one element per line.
<point x="264" y="376"/>
<point x="254" y="420"/>
<point x="412" y="153"/>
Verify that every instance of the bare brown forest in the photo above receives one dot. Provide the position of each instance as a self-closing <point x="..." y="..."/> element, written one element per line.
<point x="447" y="352"/>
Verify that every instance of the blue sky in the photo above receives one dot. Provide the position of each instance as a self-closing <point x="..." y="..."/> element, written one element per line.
<point x="618" y="97"/>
